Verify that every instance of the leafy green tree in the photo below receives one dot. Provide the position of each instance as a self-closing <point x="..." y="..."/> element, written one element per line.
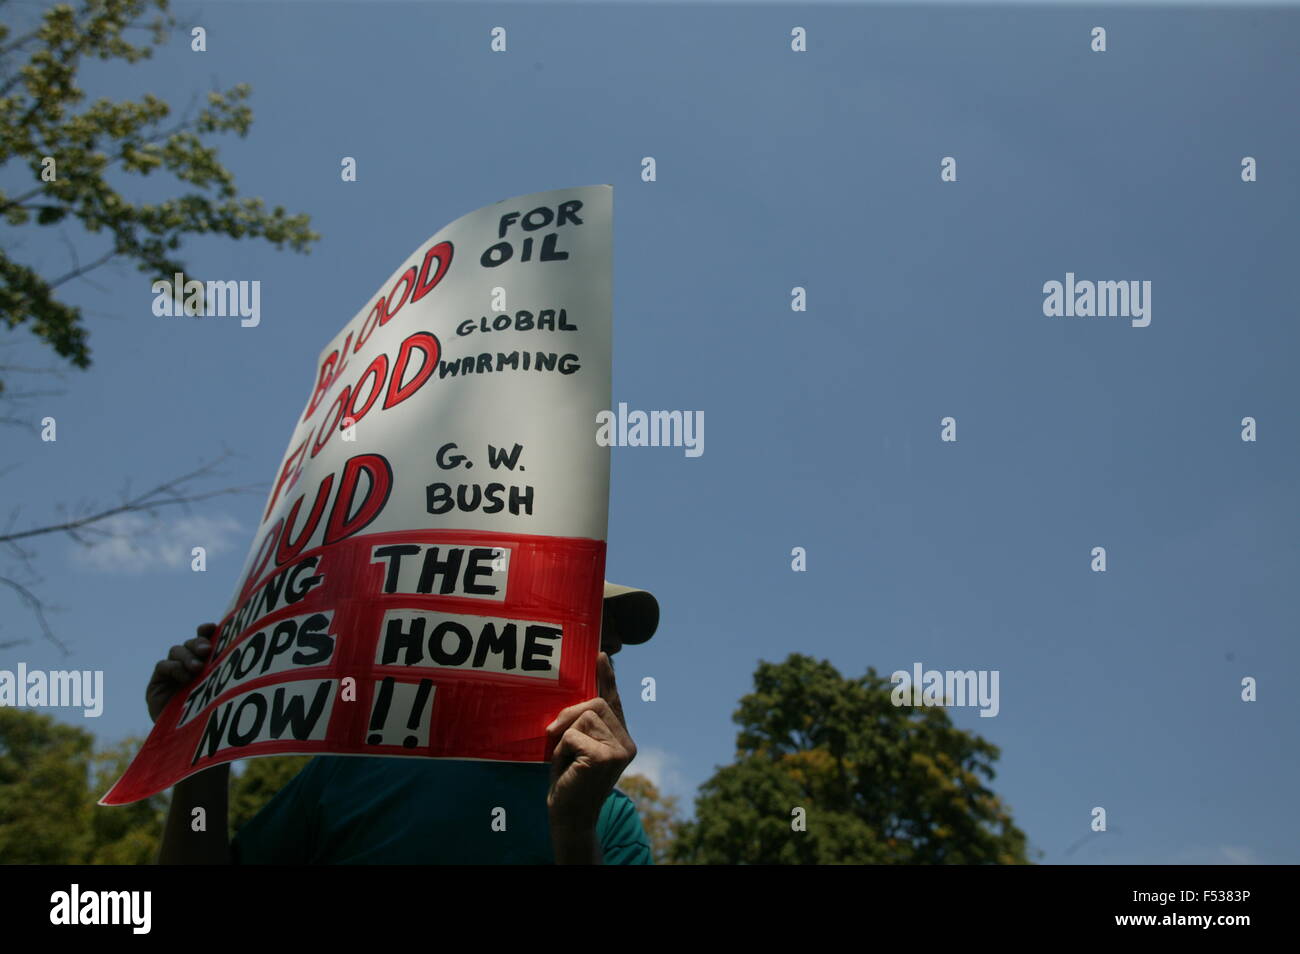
<point x="44" y="789"/>
<point x="878" y="783"/>
<point x="51" y="779"/>
<point x="70" y="161"/>
<point x="73" y="151"/>
<point x="658" y="815"/>
<point x="123" y="834"/>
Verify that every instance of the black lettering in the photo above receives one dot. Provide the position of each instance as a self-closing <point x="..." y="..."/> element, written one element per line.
<point x="293" y="592"/>
<point x="314" y="635"/>
<point x="294" y="715"/>
<point x="549" y="253"/>
<point x="505" y="644"/>
<point x="213" y="732"/>
<point x="471" y="503"/>
<point x="396" y="639"/>
<point x="532" y="648"/>
<point x="462" y="652"/>
<point x="568" y="212"/>
<point x="396" y="552"/>
<point x="257" y="701"/>
<point x="437" y="498"/>
<point x="448" y="570"/>
<point x="270" y="594"/>
<point x="499" y="455"/>
<point x="281" y="641"/>
<point x="256" y="643"/>
<point x="518" y="500"/>
<point x="476" y="569"/>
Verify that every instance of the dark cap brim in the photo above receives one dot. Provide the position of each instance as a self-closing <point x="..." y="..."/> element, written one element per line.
<point x="635" y="612"/>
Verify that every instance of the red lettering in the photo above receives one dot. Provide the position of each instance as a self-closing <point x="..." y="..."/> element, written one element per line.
<point x="380" y="472"/>
<point x="428" y="346"/>
<point x="442" y="252"/>
<point x="330" y="425"/>
<point x="285" y="481"/>
<point x="379" y="368"/>
<point x="338" y="372"/>
<point x="323" y="382"/>
<point x="263" y="554"/>
<point x="289" y="548"/>
<point x="407" y="281"/>
<point x="368" y="327"/>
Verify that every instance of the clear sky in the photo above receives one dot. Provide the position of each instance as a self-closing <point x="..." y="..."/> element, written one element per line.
<point x="778" y="169"/>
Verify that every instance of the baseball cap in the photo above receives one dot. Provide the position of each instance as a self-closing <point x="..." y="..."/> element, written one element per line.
<point x="634" y="612"/>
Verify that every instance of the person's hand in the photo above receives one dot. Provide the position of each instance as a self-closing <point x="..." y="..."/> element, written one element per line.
<point x="178" y="669"/>
<point x="592" y="748"/>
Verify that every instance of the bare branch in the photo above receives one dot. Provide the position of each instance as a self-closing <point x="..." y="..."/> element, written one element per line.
<point x="82" y="270"/>
<point x="169" y="492"/>
<point x="38" y="610"/>
<point x="76" y="261"/>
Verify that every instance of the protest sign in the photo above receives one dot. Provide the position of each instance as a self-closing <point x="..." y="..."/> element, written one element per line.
<point x="426" y="579"/>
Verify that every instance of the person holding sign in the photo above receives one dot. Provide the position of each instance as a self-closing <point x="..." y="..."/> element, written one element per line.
<point x="411" y="810"/>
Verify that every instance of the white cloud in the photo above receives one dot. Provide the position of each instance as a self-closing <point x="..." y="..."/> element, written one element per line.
<point x="660" y="767"/>
<point x="138" y="542"/>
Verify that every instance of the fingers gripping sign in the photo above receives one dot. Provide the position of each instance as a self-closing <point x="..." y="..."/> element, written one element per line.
<point x="591" y="748"/>
<point x="183" y="662"/>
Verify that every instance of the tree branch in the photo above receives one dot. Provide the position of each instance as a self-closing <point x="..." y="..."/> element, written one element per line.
<point x="37" y="608"/>
<point x="170" y="490"/>
<point x="83" y="269"/>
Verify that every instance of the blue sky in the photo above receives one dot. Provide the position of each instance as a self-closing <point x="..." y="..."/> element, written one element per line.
<point x="1118" y="689"/>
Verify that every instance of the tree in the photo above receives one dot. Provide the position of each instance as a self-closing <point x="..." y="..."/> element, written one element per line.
<point x="877" y="783"/>
<point x="77" y="156"/>
<point x="658" y="815"/>
<point x="51" y="779"/>
<point x="71" y="153"/>
<point x="44" y="788"/>
<point x="123" y="834"/>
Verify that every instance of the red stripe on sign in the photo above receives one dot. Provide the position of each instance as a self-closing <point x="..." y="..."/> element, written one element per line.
<point x="473" y="713"/>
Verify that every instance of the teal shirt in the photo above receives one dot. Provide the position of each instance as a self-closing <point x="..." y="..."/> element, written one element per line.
<point x="418" y="811"/>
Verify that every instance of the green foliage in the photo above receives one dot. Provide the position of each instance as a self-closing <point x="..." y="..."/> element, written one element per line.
<point x="879" y="783"/>
<point x="123" y="834"/>
<point x="44" y="787"/>
<point x="658" y="814"/>
<point x="41" y="115"/>
<point x="51" y="779"/>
